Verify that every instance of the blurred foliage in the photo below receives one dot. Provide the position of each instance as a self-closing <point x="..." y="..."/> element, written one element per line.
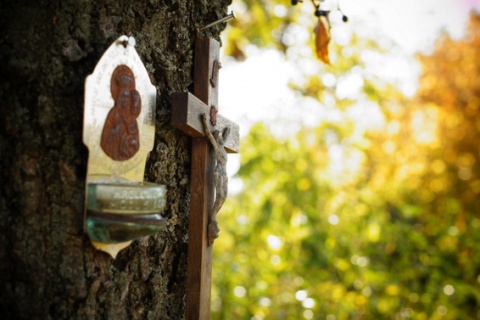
<point x="275" y="23"/>
<point x="355" y="219"/>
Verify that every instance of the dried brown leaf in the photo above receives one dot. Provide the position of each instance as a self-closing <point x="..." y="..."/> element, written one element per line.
<point x="322" y="39"/>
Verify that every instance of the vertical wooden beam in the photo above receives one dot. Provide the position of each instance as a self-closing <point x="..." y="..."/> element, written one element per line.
<point x="199" y="268"/>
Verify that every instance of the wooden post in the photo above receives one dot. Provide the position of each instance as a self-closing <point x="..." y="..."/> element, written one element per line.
<point x="186" y="116"/>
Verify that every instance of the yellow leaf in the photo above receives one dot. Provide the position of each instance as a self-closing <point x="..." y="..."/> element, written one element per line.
<point x="322" y="39"/>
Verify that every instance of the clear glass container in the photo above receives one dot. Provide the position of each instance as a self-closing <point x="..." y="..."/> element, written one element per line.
<point x="120" y="212"/>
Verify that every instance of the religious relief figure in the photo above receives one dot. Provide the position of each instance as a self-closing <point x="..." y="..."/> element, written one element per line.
<point x="220" y="179"/>
<point x="120" y="137"/>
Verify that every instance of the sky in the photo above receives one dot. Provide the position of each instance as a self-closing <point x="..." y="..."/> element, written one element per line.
<point x="257" y="89"/>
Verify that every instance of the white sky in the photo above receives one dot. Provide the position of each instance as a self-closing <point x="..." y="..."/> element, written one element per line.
<point x="414" y="24"/>
<point x="257" y="89"/>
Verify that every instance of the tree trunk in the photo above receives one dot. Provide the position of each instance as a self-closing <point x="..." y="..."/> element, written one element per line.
<point x="48" y="268"/>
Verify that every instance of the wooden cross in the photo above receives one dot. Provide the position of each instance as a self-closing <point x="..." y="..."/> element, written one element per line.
<point x="187" y="110"/>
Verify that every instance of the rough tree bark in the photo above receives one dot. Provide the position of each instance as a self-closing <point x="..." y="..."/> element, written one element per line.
<point x="48" y="268"/>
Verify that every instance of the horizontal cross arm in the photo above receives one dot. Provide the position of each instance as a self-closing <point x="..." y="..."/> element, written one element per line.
<point x="186" y="116"/>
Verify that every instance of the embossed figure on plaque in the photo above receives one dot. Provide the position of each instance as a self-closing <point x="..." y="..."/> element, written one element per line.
<point x="120" y="139"/>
